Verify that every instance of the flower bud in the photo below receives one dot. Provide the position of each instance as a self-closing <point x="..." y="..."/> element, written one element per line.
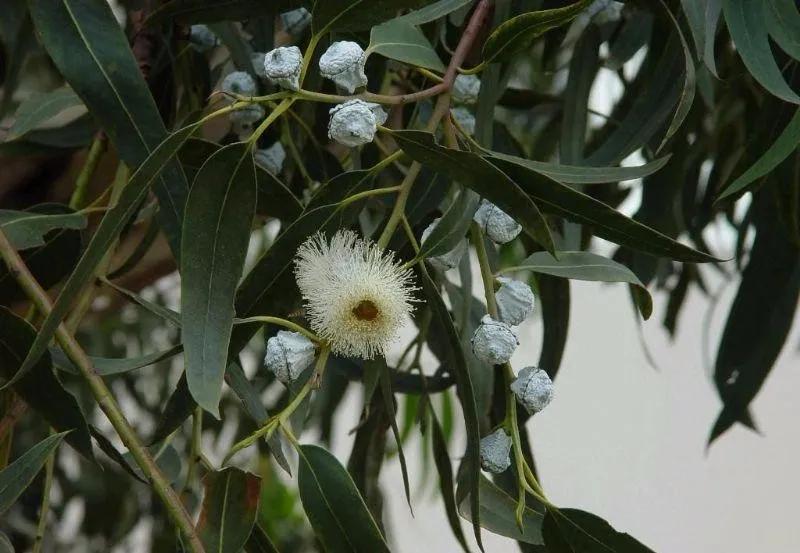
<point x="448" y="260"/>
<point x="248" y="114"/>
<point x="494" y="341"/>
<point x="466" y="89"/>
<point x="271" y="158"/>
<point x="464" y="118"/>
<point x="495" y="450"/>
<point x="257" y="61"/>
<point x="533" y="389"/>
<point x="514" y="301"/>
<point x="239" y="82"/>
<point x="343" y="63"/>
<point x="288" y="355"/>
<point x="354" y="122"/>
<point x="496" y="223"/>
<point x="296" y="21"/>
<point x="283" y="65"/>
<point x="202" y="38"/>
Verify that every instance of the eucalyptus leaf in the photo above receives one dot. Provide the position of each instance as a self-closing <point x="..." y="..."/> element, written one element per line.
<point x="27" y="229"/>
<point x="18" y="475"/>
<point x="357" y="15"/>
<point x="230" y="507"/>
<point x="105" y="366"/>
<point x="39" y="110"/>
<point x="210" y="11"/>
<point x="576" y="531"/>
<point x="783" y="25"/>
<point x="402" y="41"/>
<point x="432" y="12"/>
<point x="452" y="227"/>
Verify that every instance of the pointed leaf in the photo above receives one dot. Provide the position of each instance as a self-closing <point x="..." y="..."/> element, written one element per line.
<point x="18" y="475"/>
<point x="27" y="229"/>
<point x="783" y="23"/>
<point x="357" y="15"/>
<point x="389" y="405"/>
<point x="452" y="227"/>
<point x="404" y="42"/>
<point x="576" y="531"/>
<point x="209" y="11"/>
<point x="230" y="507"/>
<point x="105" y="366"/>
<point x="446" y="485"/>
<point x="433" y="11"/>
<point x="39" y="109"/>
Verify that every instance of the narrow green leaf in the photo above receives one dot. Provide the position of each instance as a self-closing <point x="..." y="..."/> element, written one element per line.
<point x="783" y="24"/>
<point x="712" y="16"/>
<point x="785" y="145"/>
<point x="446" y="485"/>
<point x="497" y="514"/>
<point x="40" y="388"/>
<point x="230" y="506"/>
<point x="695" y="12"/>
<point x="216" y="232"/>
<point x="583" y="69"/>
<point x="165" y="313"/>
<point x="38" y="110"/>
<point x="5" y="544"/>
<point x="27" y="229"/>
<point x="389" y="405"/>
<point x="452" y="227"/>
<point x="576" y="531"/>
<point x="402" y="41"/>
<point x="586" y="266"/>
<point x="357" y="15"/>
<point x="554" y="298"/>
<point x="473" y="171"/>
<point x="18" y="475"/>
<point x="336" y="510"/>
<point x="106" y="366"/>
<point x="519" y="32"/>
<point x="259" y="542"/>
<point x="209" y="11"/>
<point x="166" y="457"/>
<point x="433" y="11"/>
<point x="747" y="23"/>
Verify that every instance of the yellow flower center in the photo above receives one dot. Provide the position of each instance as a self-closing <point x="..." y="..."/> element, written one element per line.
<point x="366" y="311"/>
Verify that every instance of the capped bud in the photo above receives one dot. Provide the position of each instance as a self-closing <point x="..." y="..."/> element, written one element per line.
<point x="533" y="389"/>
<point x="514" y="301"/>
<point x="283" y="65"/>
<point x="239" y="82"/>
<point x="466" y="89"/>
<point x="353" y="123"/>
<point x="448" y="260"/>
<point x="288" y="355"/>
<point x="495" y="450"/>
<point x="464" y="118"/>
<point x="201" y="38"/>
<point x="296" y="21"/>
<point x="496" y="223"/>
<point x="343" y="63"/>
<point x="494" y="341"/>
<point x="257" y="61"/>
<point x="248" y="114"/>
<point x="271" y="158"/>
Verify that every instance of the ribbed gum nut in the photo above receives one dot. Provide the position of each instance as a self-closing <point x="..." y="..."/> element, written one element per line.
<point x="247" y="115"/>
<point x="464" y="118"/>
<point x="201" y="38"/>
<point x="466" y="89"/>
<point x="296" y="21"/>
<point x="533" y="389"/>
<point x="271" y="159"/>
<point x="449" y="260"/>
<point x="288" y="355"/>
<point x="343" y="63"/>
<point x="494" y="341"/>
<point x="495" y="449"/>
<point x="239" y="82"/>
<point x="496" y="223"/>
<point x="352" y="123"/>
<point x="514" y="301"/>
<point x="283" y="66"/>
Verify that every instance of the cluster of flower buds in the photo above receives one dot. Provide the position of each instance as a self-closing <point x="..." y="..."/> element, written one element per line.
<point x="283" y="66"/>
<point x="288" y="355"/>
<point x="295" y="21"/>
<point x="271" y="159"/>
<point x="495" y="449"/>
<point x="343" y="63"/>
<point x="355" y="122"/>
<point x="498" y="225"/>
<point x="449" y="260"/>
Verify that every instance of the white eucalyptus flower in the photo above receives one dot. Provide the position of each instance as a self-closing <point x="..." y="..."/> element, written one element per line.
<point x="495" y="449"/>
<point x="464" y="118"/>
<point x="496" y="223"/>
<point x="283" y="66"/>
<point x="239" y="82"/>
<point x="533" y="388"/>
<point x="494" y="341"/>
<point x="272" y="158"/>
<point x="288" y="355"/>
<point x="343" y="63"/>
<point x="296" y="21"/>
<point x="449" y="260"/>
<point x="202" y="38"/>
<point x="466" y="89"/>
<point x="514" y="301"/>
<point x="357" y="296"/>
<point x="354" y="122"/>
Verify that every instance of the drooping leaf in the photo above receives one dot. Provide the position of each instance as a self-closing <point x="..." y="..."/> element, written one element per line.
<point x="576" y="531"/>
<point x="27" y="229"/>
<point x="357" y="15"/>
<point x="404" y="42"/>
<point x="209" y="11"/>
<point x="39" y="109"/>
<point x="446" y="484"/>
<point x="166" y="457"/>
<point x="216" y="232"/>
<point x="164" y="313"/>
<point x="695" y="12"/>
<point x="105" y="366"/>
<point x="389" y="406"/>
<point x="586" y="266"/>
<point x="583" y="69"/>
<point x="336" y="510"/>
<point x="452" y="227"/>
<point x="497" y="514"/>
<point x="433" y="11"/>
<point x="519" y="32"/>
<point x="18" y="475"/>
<point x="40" y="388"/>
<point x="747" y="23"/>
<point x="5" y="544"/>
<point x="473" y="171"/>
<point x="783" y="24"/>
<point x="712" y="17"/>
<point x="230" y="506"/>
<point x="554" y="299"/>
